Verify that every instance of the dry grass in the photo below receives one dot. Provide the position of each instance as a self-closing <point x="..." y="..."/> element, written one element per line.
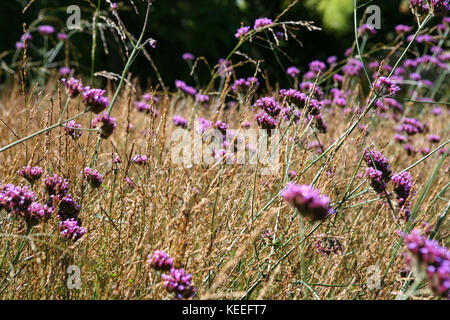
<point x="209" y="218"/>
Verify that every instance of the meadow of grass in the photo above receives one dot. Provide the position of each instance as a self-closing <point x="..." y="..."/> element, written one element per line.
<point x="228" y="225"/>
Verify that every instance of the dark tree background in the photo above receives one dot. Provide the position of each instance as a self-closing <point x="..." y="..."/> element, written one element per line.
<point x="202" y="27"/>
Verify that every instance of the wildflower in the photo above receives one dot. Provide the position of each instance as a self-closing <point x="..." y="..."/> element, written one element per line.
<point x="95" y="100"/>
<point x="353" y="67"/>
<point x="412" y="126"/>
<point x="71" y="229"/>
<point x="265" y="121"/>
<point x="400" y="138"/>
<point x="30" y="173"/>
<point x="261" y="22"/>
<point x="245" y="84"/>
<point x="36" y="213"/>
<point x="429" y="259"/>
<point x="269" y="105"/>
<point x="309" y="86"/>
<point x="64" y="71"/>
<point x="376" y="179"/>
<point x="401" y="28"/>
<point x="56" y="186"/>
<point x="338" y="78"/>
<point x="246" y="124"/>
<point x="46" y="29"/>
<point x="93" y="177"/>
<point x="188" y="56"/>
<point x="70" y="128"/>
<point x="181" y="85"/>
<point x="327" y="245"/>
<point x="295" y="97"/>
<point x="73" y="87"/>
<point x="142" y="106"/>
<point x="108" y="125"/>
<point x="62" y="36"/>
<point x="320" y="123"/>
<point x="201" y="98"/>
<point x="16" y="199"/>
<point x="26" y="36"/>
<point x="437" y="111"/>
<point x="160" y="261"/>
<point x="308" y="201"/>
<point x="332" y="61"/>
<point x="439" y="7"/>
<point x="293" y="71"/>
<point x="241" y="32"/>
<point x="222" y="126"/>
<point x="139" y="159"/>
<point x="68" y="208"/>
<point x="203" y="125"/>
<point x="224" y="67"/>
<point x="383" y="82"/>
<point x="418" y="7"/>
<point x="403" y="184"/>
<point x="434" y="138"/>
<point x="409" y="149"/>
<point x="180" y="122"/>
<point x="20" y="45"/>
<point x="292" y="174"/>
<point x="367" y="28"/>
<point x="379" y="162"/>
<point x="179" y="283"/>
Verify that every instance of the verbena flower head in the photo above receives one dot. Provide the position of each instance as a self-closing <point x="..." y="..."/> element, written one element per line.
<point x="241" y="32"/>
<point x="295" y="97"/>
<point x="376" y="179"/>
<point x="384" y="83"/>
<point x="439" y="7"/>
<point x="269" y="105"/>
<point x="379" y="162"/>
<point x="328" y="245"/>
<point x="62" y="36"/>
<point x="93" y="177"/>
<point x="56" y="186"/>
<point x="139" y="159"/>
<point x="243" y="84"/>
<point x="179" y="283"/>
<point x="222" y="126"/>
<point x="433" y="138"/>
<point x="30" y="173"/>
<point x="185" y="88"/>
<point x="201" y="98"/>
<point x="179" y="121"/>
<point x="64" y="71"/>
<point x="403" y="184"/>
<point x="71" y="229"/>
<point x="320" y="124"/>
<point x="401" y="28"/>
<point x="95" y="100"/>
<point x="419" y="7"/>
<point x="73" y="87"/>
<point x="70" y="128"/>
<point x="317" y="66"/>
<point x="160" y="261"/>
<point x="353" y="67"/>
<point x="293" y="71"/>
<point x="107" y="125"/>
<point x="332" y="61"/>
<point x="16" y="199"/>
<point x="427" y="257"/>
<point x="46" y="29"/>
<point x="266" y="121"/>
<point x="367" y="29"/>
<point x="308" y="201"/>
<point x="188" y="56"/>
<point x="412" y="126"/>
<point x="224" y="67"/>
<point x="143" y="106"/>
<point x="68" y="208"/>
<point x="261" y="22"/>
<point x="36" y="213"/>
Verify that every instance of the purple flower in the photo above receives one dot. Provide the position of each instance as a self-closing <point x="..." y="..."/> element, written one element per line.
<point x="265" y="121"/>
<point x="294" y="97"/>
<point x="139" y="159"/>
<point x="433" y="138"/>
<point x="68" y="208"/>
<point x="160" y="261"/>
<point x="222" y="126"/>
<point x="269" y="105"/>
<point x="320" y="123"/>
<point x="418" y="7"/>
<point x="440" y="7"/>
<point x="409" y="149"/>
<point x="95" y="100"/>
<point x="401" y="28"/>
<point x="71" y="229"/>
<point x="185" y="88"/>
<point x="379" y="163"/>
<point x="142" y="106"/>
<point x="180" y="122"/>
<point x="64" y="71"/>
<point x="201" y="98"/>
<point x="400" y="138"/>
<point x="317" y="66"/>
<point x="376" y="180"/>
<point x="261" y="22"/>
<point x="293" y="71"/>
<point x="93" y="177"/>
<point x="36" y="213"/>
<point x="30" y="173"/>
<point x="412" y="126"/>
<point x="62" y="36"/>
<point x="244" y="84"/>
<point x="16" y="199"/>
<point x="46" y="29"/>
<point x="332" y="61"/>
<point x="224" y="67"/>
<point x="108" y="125"/>
<point x="73" y="87"/>
<point x="70" y="128"/>
<point x="188" y="56"/>
<point x="353" y="67"/>
<point x="437" y="111"/>
<point x="307" y="201"/>
<point x="383" y="83"/>
<point x="241" y="32"/>
<point x="56" y="186"/>
<point x="403" y="184"/>
<point x="367" y="28"/>
<point x="179" y="283"/>
<point x="427" y="256"/>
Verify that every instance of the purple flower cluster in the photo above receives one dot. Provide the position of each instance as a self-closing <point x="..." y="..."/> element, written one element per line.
<point x="56" y="186"/>
<point x="95" y="100"/>
<point x="187" y="56"/>
<point x="269" y="105"/>
<point x="317" y="66"/>
<point x="108" y="125"/>
<point x="353" y="67"/>
<point x="46" y="29"/>
<point x="428" y="257"/>
<point x="376" y="180"/>
<point x="71" y="229"/>
<point x="160" y="261"/>
<point x="179" y="283"/>
<point x="68" y="208"/>
<point x="203" y="125"/>
<point x="261" y="22"/>
<point x="328" y="245"/>
<point x="293" y="71"/>
<point x="294" y="97"/>
<point x="139" y="159"/>
<point x="241" y="32"/>
<point x="308" y="201"/>
<point x="143" y="106"/>
<point x="244" y="84"/>
<point x="412" y="126"/>
<point x="379" y="163"/>
<point x="179" y="121"/>
<point x="181" y="85"/>
<point x="201" y="98"/>
<point x="403" y="184"/>
<point x="70" y="128"/>
<point x="367" y="29"/>
<point x="93" y="177"/>
<point x="73" y="87"/>
<point x="385" y="83"/>
<point x="30" y="173"/>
